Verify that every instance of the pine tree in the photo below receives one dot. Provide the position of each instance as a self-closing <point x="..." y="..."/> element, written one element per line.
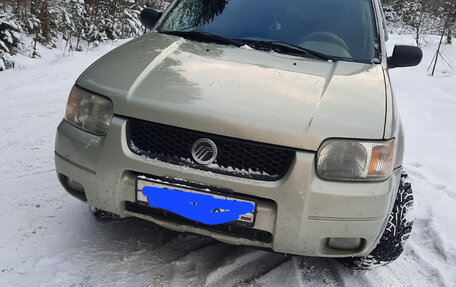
<point x="130" y="25"/>
<point x="77" y="13"/>
<point x="451" y="8"/>
<point x="10" y="41"/>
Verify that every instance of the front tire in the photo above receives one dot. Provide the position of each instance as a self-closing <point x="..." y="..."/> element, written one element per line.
<point x="397" y="231"/>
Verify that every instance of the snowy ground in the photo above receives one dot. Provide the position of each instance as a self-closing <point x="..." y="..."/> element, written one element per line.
<point x="48" y="238"/>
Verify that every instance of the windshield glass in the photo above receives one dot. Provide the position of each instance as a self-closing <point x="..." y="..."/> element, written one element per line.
<point x="343" y="29"/>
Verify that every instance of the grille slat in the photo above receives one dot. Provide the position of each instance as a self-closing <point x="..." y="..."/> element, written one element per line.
<point x="236" y="157"/>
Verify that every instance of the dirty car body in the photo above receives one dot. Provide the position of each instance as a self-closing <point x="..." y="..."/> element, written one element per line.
<point x="278" y="115"/>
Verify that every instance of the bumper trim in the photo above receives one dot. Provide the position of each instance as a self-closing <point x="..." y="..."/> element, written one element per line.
<point x="234" y="230"/>
<point x="318" y="218"/>
<point x="75" y="164"/>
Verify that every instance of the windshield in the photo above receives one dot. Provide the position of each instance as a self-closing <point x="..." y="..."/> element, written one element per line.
<point x="342" y="29"/>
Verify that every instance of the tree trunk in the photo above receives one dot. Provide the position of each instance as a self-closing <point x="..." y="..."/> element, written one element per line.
<point x="34" y="53"/>
<point x="449" y="39"/>
<point x="78" y="48"/>
<point x="417" y="38"/>
<point x="445" y="26"/>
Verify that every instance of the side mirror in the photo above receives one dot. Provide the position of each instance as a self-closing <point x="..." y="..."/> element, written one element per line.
<point x="405" y="56"/>
<point x="149" y="17"/>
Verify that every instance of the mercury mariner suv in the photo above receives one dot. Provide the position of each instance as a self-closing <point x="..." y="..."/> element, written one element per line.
<point x="257" y="122"/>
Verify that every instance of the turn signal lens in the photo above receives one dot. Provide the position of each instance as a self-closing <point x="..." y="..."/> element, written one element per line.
<point x="72" y="104"/>
<point x="381" y="161"/>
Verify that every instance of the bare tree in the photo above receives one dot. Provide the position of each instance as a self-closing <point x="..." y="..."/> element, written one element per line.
<point x="448" y="19"/>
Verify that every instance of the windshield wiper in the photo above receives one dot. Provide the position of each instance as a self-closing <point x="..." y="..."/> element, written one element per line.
<point x="286" y="47"/>
<point x="205" y="36"/>
<point x="271" y="45"/>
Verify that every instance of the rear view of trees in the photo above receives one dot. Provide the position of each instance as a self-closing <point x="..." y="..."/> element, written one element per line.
<point x="422" y="16"/>
<point x="66" y="24"/>
<point x="10" y="36"/>
<point x="450" y="11"/>
<point x="73" y="25"/>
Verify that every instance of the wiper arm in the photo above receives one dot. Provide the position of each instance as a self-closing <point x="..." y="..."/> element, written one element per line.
<point x="286" y="47"/>
<point x="312" y="52"/>
<point x="205" y="36"/>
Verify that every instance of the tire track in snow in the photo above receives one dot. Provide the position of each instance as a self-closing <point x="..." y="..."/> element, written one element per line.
<point x="192" y="260"/>
<point x="164" y="245"/>
<point x="223" y="265"/>
<point x="245" y="269"/>
<point x="182" y="247"/>
<point x="316" y="272"/>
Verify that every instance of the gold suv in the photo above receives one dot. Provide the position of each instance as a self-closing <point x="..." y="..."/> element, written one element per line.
<point x="263" y="123"/>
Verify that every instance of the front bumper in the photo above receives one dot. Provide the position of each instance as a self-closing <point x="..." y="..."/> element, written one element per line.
<point x="301" y="211"/>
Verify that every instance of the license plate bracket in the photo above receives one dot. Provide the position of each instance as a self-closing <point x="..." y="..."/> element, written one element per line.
<point x="170" y="187"/>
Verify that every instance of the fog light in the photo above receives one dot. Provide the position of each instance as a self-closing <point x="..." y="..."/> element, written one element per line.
<point x="72" y="187"/>
<point x="344" y="243"/>
<point x="76" y="186"/>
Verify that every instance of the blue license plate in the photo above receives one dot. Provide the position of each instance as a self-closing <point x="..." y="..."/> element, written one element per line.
<point x="207" y="208"/>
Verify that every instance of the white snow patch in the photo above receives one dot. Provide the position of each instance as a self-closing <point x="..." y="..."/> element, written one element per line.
<point x="246" y="47"/>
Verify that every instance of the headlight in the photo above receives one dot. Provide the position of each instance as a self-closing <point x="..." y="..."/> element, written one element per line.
<point x="89" y="112"/>
<point x="351" y="160"/>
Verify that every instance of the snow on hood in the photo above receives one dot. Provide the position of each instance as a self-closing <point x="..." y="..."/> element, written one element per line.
<point x="249" y="94"/>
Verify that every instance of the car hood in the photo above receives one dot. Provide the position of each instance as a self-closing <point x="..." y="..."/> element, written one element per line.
<point x="240" y="92"/>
